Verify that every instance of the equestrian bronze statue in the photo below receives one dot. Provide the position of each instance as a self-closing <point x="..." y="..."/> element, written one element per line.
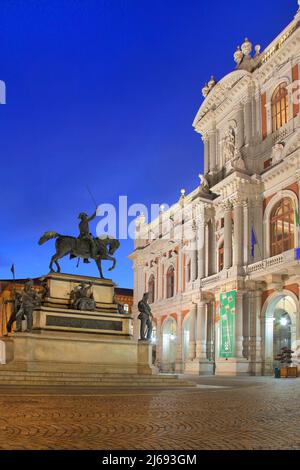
<point x="85" y="246"/>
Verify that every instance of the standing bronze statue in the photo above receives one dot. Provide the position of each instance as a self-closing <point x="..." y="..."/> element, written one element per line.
<point x="28" y="302"/>
<point x="16" y="304"/>
<point x="145" y="316"/>
<point x="85" y="246"/>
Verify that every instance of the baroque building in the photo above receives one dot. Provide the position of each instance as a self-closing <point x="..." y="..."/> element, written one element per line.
<point x="222" y="264"/>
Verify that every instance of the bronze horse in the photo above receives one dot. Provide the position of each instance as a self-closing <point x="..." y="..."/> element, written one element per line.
<point x="104" y="248"/>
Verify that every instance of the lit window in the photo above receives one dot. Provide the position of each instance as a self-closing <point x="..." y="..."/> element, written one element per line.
<point x="282" y="227"/>
<point x="170" y="282"/>
<point x="280" y="107"/>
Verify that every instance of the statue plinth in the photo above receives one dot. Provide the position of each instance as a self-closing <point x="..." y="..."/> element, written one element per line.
<point x="65" y="339"/>
<point x="61" y="285"/>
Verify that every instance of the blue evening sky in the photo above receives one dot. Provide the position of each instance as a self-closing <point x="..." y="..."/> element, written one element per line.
<point x="103" y="93"/>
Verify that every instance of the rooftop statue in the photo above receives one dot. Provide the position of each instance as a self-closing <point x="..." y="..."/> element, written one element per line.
<point x="204" y="185"/>
<point x="85" y="246"/>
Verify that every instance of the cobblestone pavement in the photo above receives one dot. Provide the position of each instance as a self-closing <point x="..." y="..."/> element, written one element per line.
<point x="248" y="413"/>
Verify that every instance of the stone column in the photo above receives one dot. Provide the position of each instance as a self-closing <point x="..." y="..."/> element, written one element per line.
<point x="210" y="248"/>
<point x="257" y="211"/>
<point x="200" y="241"/>
<point x="239" y="325"/>
<point x="193" y="255"/>
<point x="297" y="342"/>
<point x="238" y="234"/>
<point x="212" y="148"/>
<point x="157" y="281"/>
<point x="180" y="268"/>
<point x="158" y="341"/>
<point x="227" y="236"/>
<point x="213" y="251"/>
<point x="206" y="248"/>
<point x="247" y="324"/>
<point x="254" y="115"/>
<point x="201" y="331"/>
<point x="206" y="154"/>
<point x="246" y="235"/>
<point x="179" y="342"/>
<point x="240" y="129"/>
<point x="192" y="341"/>
<point x="258" y="306"/>
<point x="269" y="117"/>
<point x="248" y="120"/>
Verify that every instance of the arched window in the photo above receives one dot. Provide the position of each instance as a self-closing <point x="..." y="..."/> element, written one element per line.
<point x="151" y="289"/>
<point x="170" y="282"/>
<point x="280" y="107"/>
<point x="221" y="256"/>
<point x="282" y="227"/>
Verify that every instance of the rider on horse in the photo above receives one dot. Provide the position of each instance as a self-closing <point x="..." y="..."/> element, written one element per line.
<point x="84" y="246"/>
<point x="84" y="230"/>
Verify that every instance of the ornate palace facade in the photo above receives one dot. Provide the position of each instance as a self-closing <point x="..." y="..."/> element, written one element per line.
<point x="221" y="265"/>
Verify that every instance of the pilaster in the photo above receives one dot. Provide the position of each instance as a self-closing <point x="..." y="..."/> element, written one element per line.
<point x="192" y="341"/>
<point x="227" y="235"/>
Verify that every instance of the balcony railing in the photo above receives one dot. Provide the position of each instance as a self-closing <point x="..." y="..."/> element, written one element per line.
<point x="210" y="280"/>
<point x="277" y="260"/>
<point x="255" y="268"/>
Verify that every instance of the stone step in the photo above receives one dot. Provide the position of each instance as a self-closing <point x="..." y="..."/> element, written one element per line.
<point x="30" y="375"/>
<point x="10" y="372"/>
<point x="38" y="383"/>
<point x="106" y="384"/>
<point x="78" y="379"/>
<point x="36" y="378"/>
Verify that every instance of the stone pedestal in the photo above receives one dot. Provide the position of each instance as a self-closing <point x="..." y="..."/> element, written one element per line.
<point x="232" y="367"/>
<point x="60" y="286"/>
<point x="73" y="352"/>
<point x="67" y="340"/>
<point x="2" y="352"/>
<point x="202" y="367"/>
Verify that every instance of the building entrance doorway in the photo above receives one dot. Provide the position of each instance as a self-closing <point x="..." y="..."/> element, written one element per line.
<point x="169" y="345"/>
<point x="280" y="328"/>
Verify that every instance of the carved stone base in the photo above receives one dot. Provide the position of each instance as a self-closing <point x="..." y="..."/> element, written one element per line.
<point x="233" y="366"/>
<point x="202" y="367"/>
<point x="60" y="286"/>
<point x="63" y="319"/>
<point x="67" y="340"/>
<point x="73" y="352"/>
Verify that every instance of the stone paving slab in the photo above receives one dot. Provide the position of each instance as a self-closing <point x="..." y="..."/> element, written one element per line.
<point x="248" y="413"/>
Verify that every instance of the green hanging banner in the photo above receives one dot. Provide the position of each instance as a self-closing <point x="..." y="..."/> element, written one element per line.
<point x="227" y="323"/>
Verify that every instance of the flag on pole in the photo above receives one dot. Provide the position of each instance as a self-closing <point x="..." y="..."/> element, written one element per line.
<point x="13" y="270"/>
<point x="253" y="241"/>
